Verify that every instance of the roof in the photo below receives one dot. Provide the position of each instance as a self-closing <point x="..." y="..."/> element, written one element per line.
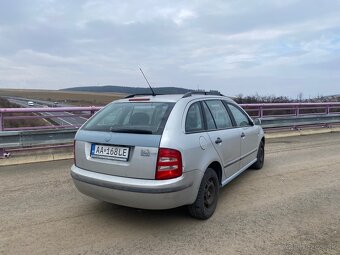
<point x="171" y="97"/>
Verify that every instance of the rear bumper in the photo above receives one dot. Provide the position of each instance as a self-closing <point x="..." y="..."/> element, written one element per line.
<point x="138" y="193"/>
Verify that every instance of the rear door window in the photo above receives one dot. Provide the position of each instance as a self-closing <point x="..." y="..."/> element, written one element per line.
<point x="141" y="117"/>
<point x="220" y="114"/>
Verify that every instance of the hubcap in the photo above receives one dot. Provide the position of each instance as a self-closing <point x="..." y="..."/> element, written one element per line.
<point x="209" y="193"/>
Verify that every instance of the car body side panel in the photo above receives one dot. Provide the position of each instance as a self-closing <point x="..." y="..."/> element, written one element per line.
<point x="229" y="149"/>
<point x="249" y="144"/>
<point x="250" y="140"/>
<point x="196" y="148"/>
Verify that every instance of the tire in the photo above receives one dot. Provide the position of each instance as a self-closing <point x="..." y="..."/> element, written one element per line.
<point x="204" y="206"/>
<point x="260" y="157"/>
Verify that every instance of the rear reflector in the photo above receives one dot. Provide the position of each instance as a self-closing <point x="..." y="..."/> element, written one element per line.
<point x="169" y="164"/>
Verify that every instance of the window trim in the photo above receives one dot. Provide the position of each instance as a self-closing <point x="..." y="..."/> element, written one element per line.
<point x="205" y="117"/>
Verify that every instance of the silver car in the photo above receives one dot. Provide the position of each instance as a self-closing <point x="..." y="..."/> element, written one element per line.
<point x="166" y="151"/>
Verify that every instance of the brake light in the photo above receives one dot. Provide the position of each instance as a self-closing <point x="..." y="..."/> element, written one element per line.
<point x="169" y="164"/>
<point x="139" y="99"/>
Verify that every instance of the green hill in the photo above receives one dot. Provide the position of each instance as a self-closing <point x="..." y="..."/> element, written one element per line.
<point x="129" y="90"/>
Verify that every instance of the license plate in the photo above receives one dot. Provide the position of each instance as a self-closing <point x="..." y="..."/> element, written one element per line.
<point x="109" y="152"/>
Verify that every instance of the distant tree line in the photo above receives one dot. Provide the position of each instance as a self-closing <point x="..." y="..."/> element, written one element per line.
<point x="283" y="99"/>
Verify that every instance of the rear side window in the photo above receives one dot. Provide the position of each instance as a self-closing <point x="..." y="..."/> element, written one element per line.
<point x="220" y="114"/>
<point x="136" y="117"/>
<point x="194" y="120"/>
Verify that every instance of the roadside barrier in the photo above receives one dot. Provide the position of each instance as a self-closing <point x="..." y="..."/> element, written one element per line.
<point x="64" y="122"/>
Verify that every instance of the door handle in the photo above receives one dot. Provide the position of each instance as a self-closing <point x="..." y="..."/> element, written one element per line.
<point x="218" y="140"/>
<point x="243" y="135"/>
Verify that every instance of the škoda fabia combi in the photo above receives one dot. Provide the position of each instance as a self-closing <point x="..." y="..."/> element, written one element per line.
<point x="166" y="151"/>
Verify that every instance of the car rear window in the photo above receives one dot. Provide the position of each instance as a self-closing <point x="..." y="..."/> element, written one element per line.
<point x="131" y="117"/>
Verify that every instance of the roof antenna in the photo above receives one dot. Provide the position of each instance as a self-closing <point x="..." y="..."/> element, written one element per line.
<point x="153" y="93"/>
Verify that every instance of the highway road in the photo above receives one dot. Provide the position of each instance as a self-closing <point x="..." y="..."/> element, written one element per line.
<point x="64" y="121"/>
<point x="291" y="206"/>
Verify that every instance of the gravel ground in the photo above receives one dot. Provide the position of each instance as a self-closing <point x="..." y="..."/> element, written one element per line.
<point x="291" y="206"/>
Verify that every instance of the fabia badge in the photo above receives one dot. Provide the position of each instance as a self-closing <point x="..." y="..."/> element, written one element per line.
<point x="145" y="153"/>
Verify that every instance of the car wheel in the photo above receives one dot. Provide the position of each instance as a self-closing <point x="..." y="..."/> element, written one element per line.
<point x="207" y="196"/>
<point x="260" y="157"/>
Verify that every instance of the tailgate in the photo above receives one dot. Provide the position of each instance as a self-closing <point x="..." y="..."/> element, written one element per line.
<point x="126" y="155"/>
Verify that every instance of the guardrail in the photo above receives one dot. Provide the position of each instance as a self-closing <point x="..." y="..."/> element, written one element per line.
<point x="60" y="117"/>
<point x="78" y="115"/>
<point x="291" y="109"/>
<point x="273" y="117"/>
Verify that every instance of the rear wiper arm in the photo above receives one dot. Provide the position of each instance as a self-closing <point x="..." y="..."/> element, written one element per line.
<point x="132" y="131"/>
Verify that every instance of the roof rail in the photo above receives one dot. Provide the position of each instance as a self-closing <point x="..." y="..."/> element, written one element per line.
<point x="207" y="93"/>
<point x="143" y="94"/>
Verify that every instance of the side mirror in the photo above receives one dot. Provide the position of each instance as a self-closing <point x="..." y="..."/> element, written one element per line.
<point x="257" y="122"/>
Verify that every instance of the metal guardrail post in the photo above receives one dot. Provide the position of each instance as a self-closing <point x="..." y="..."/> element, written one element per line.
<point x="2" y="153"/>
<point x="260" y="112"/>
<point x="1" y="122"/>
<point x="297" y="111"/>
<point x="2" y="150"/>
<point x="328" y="109"/>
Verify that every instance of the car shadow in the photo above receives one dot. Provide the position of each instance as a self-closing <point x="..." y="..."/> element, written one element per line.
<point x="132" y="216"/>
<point x="129" y="212"/>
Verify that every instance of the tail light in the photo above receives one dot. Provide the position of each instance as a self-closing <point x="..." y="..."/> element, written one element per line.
<point x="74" y="152"/>
<point x="169" y="164"/>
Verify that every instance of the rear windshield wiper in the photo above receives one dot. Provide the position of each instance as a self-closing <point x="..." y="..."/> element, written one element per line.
<point x="132" y="131"/>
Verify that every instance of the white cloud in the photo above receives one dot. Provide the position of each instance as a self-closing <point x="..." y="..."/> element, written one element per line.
<point x="254" y="45"/>
<point x="183" y="15"/>
<point x="256" y="35"/>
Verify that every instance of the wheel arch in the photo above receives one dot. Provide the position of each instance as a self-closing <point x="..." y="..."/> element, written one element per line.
<point x="216" y="166"/>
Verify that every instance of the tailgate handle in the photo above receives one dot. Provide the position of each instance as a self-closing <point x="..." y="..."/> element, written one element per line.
<point x="218" y="140"/>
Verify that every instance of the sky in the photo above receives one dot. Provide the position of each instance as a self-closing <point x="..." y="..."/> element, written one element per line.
<point x="271" y="47"/>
